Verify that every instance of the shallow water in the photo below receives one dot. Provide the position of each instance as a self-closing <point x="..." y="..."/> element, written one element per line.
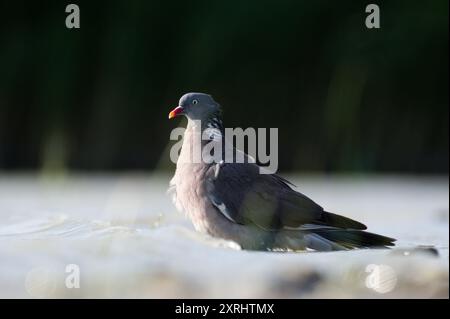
<point x="126" y="239"/>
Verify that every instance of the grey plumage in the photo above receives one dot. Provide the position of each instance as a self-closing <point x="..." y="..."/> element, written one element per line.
<point x="258" y="211"/>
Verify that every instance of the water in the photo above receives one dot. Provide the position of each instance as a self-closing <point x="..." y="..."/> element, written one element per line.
<point x="126" y="239"/>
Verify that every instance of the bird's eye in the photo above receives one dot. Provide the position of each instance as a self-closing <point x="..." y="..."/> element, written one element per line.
<point x="194" y="102"/>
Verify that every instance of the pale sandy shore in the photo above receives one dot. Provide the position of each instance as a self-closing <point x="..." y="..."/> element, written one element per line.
<point x="126" y="240"/>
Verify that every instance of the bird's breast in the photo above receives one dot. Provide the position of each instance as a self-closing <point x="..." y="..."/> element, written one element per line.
<point x="191" y="193"/>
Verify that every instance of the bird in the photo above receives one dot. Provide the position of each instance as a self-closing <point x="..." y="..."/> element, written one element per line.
<point x="235" y="202"/>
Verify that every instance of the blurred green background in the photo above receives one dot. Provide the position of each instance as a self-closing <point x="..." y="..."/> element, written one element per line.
<point x="345" y="98"/>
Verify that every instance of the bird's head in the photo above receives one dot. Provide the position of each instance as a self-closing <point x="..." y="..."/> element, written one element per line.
<point x="196" y="106"/>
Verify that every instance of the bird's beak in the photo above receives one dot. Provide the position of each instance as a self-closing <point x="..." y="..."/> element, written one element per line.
<point x="176" y="111"/>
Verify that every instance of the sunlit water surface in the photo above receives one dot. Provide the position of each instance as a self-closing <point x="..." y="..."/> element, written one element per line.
<point x="125" y="239"/>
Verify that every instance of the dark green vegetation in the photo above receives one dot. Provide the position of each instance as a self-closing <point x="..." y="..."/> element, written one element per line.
<point x="345" y="98"/>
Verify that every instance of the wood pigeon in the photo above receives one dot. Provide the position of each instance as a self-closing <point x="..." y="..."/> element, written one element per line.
<point x="234" y="201"/>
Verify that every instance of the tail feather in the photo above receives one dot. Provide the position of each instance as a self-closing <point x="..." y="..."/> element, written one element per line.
<point x="339" y="221"/>
<point x="351" y="238"/>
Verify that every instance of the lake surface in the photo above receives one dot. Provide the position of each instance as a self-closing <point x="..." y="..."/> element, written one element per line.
<point x="124" y="238"/>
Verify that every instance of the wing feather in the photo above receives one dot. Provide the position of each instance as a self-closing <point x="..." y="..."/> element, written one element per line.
<point x="245" y="197"/>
